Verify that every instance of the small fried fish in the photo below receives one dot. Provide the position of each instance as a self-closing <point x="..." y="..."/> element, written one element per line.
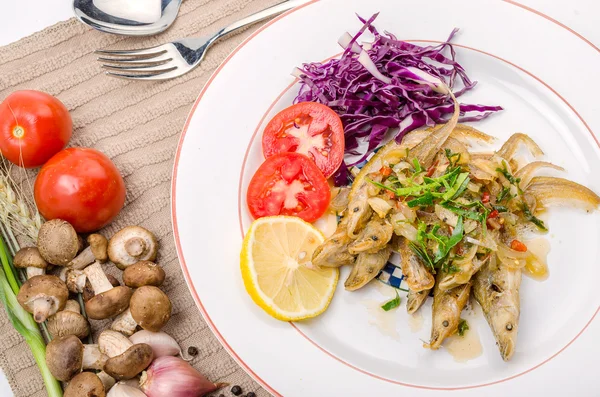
<point x="447" y="306"/>
<point x="376" y="234"/>
<point x="365" y="269"/>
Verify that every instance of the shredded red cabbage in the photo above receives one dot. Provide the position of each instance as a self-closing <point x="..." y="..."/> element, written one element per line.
<point x="394" y="96"/>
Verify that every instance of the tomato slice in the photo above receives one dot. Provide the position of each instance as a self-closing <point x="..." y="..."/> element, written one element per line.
<point x="308" y="128"/>
<point x="288" y="184"/>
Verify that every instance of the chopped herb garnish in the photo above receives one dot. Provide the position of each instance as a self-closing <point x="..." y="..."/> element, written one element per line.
<point x="453" y="158"/>
<point x="424" y="200"/>
<point x="463" y="326"/>
<point x="531" y="218"/>
<point x="500" y="208"/>
<point x="417" y="166"/>
<point x="392" y="304"/>
<point x="505" y="193"/>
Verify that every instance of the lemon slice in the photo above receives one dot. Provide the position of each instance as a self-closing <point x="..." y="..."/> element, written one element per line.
<point x="277" y="269"/>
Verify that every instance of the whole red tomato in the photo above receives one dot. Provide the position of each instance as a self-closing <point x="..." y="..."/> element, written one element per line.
<point x="81" y="186"/>
<point x="34" y="126"/>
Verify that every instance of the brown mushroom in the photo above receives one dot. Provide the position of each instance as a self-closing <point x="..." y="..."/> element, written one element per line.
<point x="125" y="359"/>
<point x="69" y="322"/>
<point x="108" y="301"/>
<point x="43" y="296"/>
<point x="149" y="307"/>
<point x="66" y="356"/>
<point x="129" y="364"/>
<point x="86" y="384"/>
<point x="131" y="245"/>
<point x="143" y="273"/>
<point x="29" y="258"/>
<point x="57" y="242"/>
<point x="96" y="251"/>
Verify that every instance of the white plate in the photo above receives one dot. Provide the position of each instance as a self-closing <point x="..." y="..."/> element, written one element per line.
<point x="546" y="79"/>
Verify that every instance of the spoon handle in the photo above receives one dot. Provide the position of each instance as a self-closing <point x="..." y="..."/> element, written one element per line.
<point x="261" y="15"/>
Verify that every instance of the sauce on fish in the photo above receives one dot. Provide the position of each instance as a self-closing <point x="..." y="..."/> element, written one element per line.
<point x="385" y="322"/>
<point x="416" y="321"/>
<point x="536" y="266"/>
<point x="464" y="348"/>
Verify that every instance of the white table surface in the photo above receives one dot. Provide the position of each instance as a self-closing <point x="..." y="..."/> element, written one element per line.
<point x="24" y="17"/>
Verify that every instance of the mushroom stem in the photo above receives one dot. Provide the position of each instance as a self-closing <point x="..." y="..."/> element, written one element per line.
<point x="135" y="246"/>
<point x="34" y="271"/>
<point x="72" y="306"/>
<point x="97" y="278"/>
<point x="92" y="357"/>
<point x="85" y="258"/>
<point x="75" y="280"/>
<point x="124" y="323"/>
<point x="41" y="309"/>
<point x="107" y="380"/>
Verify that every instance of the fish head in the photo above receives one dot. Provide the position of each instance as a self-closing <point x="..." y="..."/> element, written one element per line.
<point x="505" y="325"/>
<point x="445" y="323"/>
<point x="333" y="252"/>
<point x="374" y="237"/>
<point x="359" y="212"/>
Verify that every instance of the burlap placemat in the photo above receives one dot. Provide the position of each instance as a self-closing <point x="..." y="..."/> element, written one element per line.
<point x="137" y="124"/>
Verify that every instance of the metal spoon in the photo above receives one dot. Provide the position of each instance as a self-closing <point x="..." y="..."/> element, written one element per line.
<point x="98" y="14"/>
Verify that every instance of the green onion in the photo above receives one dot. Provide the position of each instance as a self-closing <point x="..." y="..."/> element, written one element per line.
<point x="23" y="322"/>
<point x="475" y="215"/>
<point x="417" y="166"/>
<point x="424" y="200"/>
<point x="531" y="218"/>
<point x="457" y="188"/>
<point x="394" y="303"/>
<point x="463" y="326"/>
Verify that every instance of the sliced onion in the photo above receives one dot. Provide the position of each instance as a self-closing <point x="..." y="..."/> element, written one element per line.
<point x="405" y="229"/>
<point x="511" y="258"/>
<point x="473" y="187"/>
<point x="380" y="206"/>
<point x="409" y="213"/>
<point x="368" y="63"/>
<point x="485" y="244"/>
<point x="345" y="40"/>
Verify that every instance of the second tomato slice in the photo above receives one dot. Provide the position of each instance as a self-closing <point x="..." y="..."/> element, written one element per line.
<point x="308" y="128"/>
<point x="288" y="184"/>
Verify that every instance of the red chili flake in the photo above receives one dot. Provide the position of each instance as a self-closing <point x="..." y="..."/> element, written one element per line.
<point x="486" y="197"/>
<point x="518" y="246"/>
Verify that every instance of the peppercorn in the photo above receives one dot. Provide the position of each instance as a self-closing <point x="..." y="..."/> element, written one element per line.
<point x="236" y="390"/>
<point x="193" y="351"/>
<point x="251" y="394"/>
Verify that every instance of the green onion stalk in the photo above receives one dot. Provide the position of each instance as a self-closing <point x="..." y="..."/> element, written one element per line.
<point x="22" y="321"/>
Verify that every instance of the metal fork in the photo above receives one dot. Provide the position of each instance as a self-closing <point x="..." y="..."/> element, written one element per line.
<point x="174" y="59"/>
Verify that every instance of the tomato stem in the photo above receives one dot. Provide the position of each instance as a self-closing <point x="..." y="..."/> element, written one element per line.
<point x="18" y="131"/>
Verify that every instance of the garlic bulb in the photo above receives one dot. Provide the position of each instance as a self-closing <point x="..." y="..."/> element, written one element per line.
<point x="174" y="377"/>
<point x="121" y="390"/>
<point x="161" y="343"/>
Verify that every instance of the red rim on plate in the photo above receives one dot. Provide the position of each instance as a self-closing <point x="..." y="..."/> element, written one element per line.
<point x="174" y="208"/>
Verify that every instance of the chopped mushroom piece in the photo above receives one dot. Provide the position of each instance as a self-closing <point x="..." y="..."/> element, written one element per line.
<point x="66" y="356"/>
<point x="149" y="307"/>
<point x="108" y="301"/>
<point x="130" y="245"/>
<point x="29" y="258"/>
<point x="43" y="296"/>
<point x="96" y="251"/>
<point x="58" y="242"/>
<point x="86" y="384"/>
<point x="143" y="273"/>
